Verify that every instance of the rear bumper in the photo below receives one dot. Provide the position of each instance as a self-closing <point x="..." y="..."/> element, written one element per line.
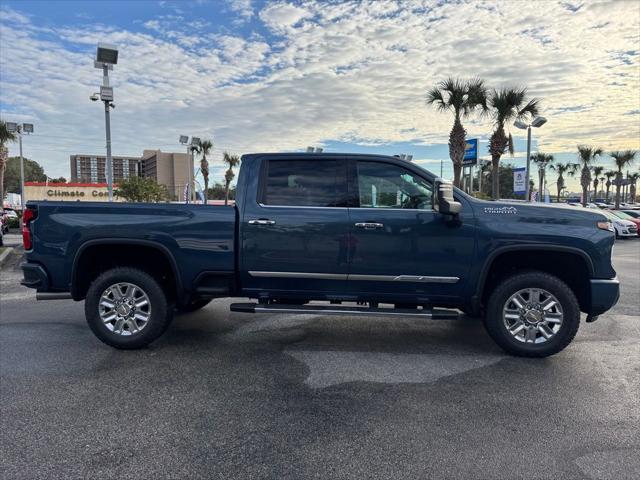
<point x="604" y="295"/>
<point x="34" y="276"/>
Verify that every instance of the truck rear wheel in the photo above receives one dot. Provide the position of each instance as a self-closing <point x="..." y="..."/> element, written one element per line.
<point x="127" y="308"/>
<point x="532" y="314"/>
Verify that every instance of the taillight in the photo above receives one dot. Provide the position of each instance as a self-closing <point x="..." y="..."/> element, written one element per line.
<point x="27" y="216"/>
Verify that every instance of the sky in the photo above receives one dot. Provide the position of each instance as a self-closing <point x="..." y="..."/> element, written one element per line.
<point x="346" y="76"/>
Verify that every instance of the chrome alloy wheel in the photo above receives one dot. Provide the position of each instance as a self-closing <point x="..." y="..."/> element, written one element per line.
<point x="532" y="315"/>
<point x="124" y="308"/>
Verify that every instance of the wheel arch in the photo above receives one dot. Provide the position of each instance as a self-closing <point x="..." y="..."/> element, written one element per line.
<point x="78" y="291"/>
<point x="548" y="258"/>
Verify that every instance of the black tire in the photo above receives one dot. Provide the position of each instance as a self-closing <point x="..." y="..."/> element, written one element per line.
<point x="159" y="319"/>
<point x="498" y="331"/>
<point x="193" y="306"/>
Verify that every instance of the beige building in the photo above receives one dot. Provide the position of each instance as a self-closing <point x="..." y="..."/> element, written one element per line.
<point x="71" y="192"/>
<point x="168" y="169"/>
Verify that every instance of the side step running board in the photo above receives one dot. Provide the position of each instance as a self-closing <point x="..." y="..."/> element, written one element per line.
<point x="435" y="314"/>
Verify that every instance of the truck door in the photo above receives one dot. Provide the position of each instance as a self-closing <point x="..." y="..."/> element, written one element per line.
<point x="402" y="248"/>
<point x="295" y="229"/>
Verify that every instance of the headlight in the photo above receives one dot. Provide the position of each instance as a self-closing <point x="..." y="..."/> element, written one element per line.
<point x="606" y="226"/>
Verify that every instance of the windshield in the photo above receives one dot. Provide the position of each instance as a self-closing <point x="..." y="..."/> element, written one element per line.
<point x="622" y="215"/>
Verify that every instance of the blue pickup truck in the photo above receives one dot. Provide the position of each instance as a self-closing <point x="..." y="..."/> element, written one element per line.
<point x="326" y="233"/>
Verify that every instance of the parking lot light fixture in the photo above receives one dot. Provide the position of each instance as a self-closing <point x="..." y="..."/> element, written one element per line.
<point x="537" y="123"/>
<point x="20" y="130"/>
<point x="106" y="58"/>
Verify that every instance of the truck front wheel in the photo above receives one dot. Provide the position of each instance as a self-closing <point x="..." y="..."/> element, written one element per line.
<point x="532" y="314"/>
<point x="127" y="308"/>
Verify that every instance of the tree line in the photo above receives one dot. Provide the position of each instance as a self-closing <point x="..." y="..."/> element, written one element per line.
<point x="464" y="98"/>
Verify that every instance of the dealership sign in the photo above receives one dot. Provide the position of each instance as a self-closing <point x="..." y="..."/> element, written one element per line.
<point x="470" y="152"/>
<point x="76" y="193"/>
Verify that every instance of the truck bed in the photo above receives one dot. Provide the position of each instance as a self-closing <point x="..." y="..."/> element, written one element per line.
<point x="195" y="239"/>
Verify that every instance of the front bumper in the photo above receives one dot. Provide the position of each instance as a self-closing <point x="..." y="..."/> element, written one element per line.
<point x="604" y="295"/>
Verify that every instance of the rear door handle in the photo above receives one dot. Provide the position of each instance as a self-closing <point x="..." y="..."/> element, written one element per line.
<point x="262" y="221"/>
<point x="369" y="225"/>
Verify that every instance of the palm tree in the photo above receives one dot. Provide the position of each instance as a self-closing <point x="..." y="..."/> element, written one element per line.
<point x="562" y="168"/>
<point x="542" y="160"/>
<point x="586" y="155"/>
<point x="597" y="171"/>
<point x="602" y="179"/>
<point x="462" y="97"/>
<point x="232" y="161"/>
<point x="633" y="178"/>
<point x="609" y="174"/>
<point x="5" y="137"/>
<point x="205" y="149"/>
<point x="622" y="160"/>
<point x="507" y="104"/>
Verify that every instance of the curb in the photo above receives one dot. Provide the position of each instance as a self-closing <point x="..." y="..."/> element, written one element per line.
<point x="5" y="254"/>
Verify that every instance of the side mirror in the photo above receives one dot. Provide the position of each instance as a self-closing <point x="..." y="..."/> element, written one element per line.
<point x="445" y="202"/>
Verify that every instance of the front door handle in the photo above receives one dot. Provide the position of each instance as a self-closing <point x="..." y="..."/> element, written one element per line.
<point x="369" y="225"/>
<point x="262" y="221"/>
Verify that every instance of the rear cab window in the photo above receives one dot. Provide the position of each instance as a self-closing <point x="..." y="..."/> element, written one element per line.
<point x="304" y="183"/>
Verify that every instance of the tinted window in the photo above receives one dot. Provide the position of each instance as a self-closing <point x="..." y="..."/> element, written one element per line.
<point x="384" y="185"/>
<point x="306" y="183"/>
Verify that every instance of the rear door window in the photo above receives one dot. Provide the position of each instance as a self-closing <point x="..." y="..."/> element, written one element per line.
<point x="305" y="183"/>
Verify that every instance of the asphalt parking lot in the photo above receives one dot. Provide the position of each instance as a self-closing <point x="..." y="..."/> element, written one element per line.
<point x="226" y="395"/>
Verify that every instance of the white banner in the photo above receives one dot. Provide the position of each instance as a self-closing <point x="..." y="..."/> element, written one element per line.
<point x="519" y="180"/>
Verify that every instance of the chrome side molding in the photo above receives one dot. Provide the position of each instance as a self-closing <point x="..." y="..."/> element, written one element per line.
<point x="370" y="278"/>
<point x="318" y="276"/>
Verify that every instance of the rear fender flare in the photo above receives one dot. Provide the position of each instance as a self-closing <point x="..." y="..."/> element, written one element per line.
<point x="126" y="241"/>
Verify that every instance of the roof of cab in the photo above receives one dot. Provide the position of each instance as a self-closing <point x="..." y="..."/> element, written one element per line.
<point x="310" y="155"/>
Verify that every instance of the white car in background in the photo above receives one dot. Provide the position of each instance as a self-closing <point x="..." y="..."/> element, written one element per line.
<point x="623" y="228"/>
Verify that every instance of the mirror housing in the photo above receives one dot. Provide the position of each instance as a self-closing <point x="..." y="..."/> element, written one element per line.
<point x="444" y="201"/>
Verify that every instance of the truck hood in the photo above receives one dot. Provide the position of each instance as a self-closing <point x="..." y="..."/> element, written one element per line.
<point x="552" y="214"/>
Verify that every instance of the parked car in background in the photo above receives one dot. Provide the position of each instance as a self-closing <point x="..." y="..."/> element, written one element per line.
<point x="624" y="228"/>
<point x="4" y="221"/>
<point x="632" y="213"/>
<point x="624" y="216"/>
<point x="10" y="219"/>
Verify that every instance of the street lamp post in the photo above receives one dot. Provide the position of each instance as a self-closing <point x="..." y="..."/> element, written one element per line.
<point x="537" y="122"/>
<point x="20" y="130"/>
<point x="195" y="142"/>
<point x="106" y="58"/>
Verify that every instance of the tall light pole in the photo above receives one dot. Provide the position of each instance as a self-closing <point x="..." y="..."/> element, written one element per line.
<point x="20" y="129"/>
<point x="106" y="58"/>
<point x="537" y="122"/>
<point x="191" y="146"/>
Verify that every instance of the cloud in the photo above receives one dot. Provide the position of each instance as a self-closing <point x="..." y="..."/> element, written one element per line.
<point x="306" y="73"/>
<point x="242" y="7"/>
<point x="281" y="16"/>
